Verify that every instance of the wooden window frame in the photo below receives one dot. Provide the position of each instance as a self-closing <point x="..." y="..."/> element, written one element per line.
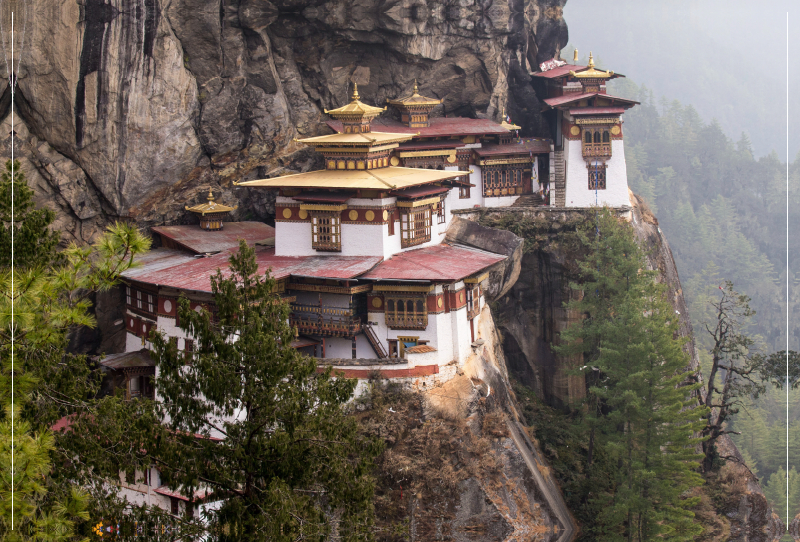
<point x="440" y="211"/>
<point x="142" y="302"/>
<point x="463" y="192"/>
<point x="403" y="319"/>
<point x="394" y="351"/>
<point x="329" y="241"/>
<point x="599" y="144"/>
<point x="597" y="176"/>
<point x="415" y="226"/>
<point x="401" y="344"/>
<point x="392" y="216"/>
<point x="188" y="350"/>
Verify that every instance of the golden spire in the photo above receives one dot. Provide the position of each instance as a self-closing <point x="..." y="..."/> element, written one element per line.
<point x="355" y="110"/>
<point x="590" y="72"/>
<point x="575" y="57"/>
<point x="416" y="90"/>
<point x="210" y="207"/>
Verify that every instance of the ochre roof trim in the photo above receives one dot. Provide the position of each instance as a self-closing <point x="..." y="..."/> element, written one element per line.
<point x="591" y="72"/>
<point x="210" y="207"/>
<point x="388" y="178"/>
<point x="355" y="109"/>
<point x="359" y="140"/>
<point x="415" y="99"/>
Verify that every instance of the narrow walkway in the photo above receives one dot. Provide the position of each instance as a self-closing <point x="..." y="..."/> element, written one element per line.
<point x="529" y="200"/>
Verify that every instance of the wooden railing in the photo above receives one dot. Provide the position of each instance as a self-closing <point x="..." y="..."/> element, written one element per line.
<point x="376" y="344"/>
<point x="406" y="321"/>
<point x="323" y="320"/>
<point x="597" y="151"/>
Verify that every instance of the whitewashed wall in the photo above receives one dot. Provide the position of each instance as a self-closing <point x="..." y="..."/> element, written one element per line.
<point x="578" y="193"/>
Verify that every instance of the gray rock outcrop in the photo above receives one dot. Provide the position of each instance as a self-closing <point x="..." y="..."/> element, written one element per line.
<point x="133" y="108"/>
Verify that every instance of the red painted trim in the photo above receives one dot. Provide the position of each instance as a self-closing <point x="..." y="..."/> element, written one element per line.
<point x="364" y="374"/>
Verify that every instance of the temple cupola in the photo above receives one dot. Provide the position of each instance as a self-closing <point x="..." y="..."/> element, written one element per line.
<point x="508" y="125"/>
<point x="415" y="110"/>
<point x="355" y="116"/>
<point x="592" y="79"/>
<point x="211" y="213"/>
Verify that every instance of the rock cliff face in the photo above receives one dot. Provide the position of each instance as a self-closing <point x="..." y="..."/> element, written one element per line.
<point x="530" y="314"/>
<point x="134" y="107"/>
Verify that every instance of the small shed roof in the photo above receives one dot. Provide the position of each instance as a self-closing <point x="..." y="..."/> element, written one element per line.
<point x="139" y="358"/>
<point x="444" y="263"/>
<point x="198" y="241"/>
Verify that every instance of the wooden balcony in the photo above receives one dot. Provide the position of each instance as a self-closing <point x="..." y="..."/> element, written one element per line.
<point x="597" y="150"/>
<point x="406" y="321"/>
<point x="325" y="321"/>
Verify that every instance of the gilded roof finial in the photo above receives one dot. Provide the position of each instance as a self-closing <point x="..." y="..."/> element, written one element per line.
<point x="591" y="60"/>
<point x="355" y="95"/>
<point x="210" y="195"/>
<point x="575" y="57"/>
<point x="416" y="89"/>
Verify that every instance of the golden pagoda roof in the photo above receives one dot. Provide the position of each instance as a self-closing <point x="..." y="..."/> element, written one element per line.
<point x="358" y="140"/>
<point x="210" y="207"/>
<point x="415" y="99"/>
<point x="356" y="109"/>
<point x="591" y="72"/>
<point x="507" y="125"/>
<point x="353" y="179"/>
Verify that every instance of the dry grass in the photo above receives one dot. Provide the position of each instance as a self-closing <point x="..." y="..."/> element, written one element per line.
<point x="429" y="452"/>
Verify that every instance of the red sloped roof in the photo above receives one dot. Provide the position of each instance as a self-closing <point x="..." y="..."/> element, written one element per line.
<point x="578" y="111"/>
<point x="435" y="144"/>
<point x="525" y="146"/>
<point x="420" y="191"/>
<point x="440" y="127"/>
<point x="193" y="239"/>
<point x="576" y="96"/>
<point x="195" y="274"/>
<point x="443" y="263"/>
<point x="561" y="71"/>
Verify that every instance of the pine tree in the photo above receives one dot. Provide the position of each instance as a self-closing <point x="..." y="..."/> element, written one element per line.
<point x="289" y="459"/>
<point x="49" y="299"/>
<point x="36" y="515"/>
<point x="34" y="242"/>
<point x="641" y="410"/>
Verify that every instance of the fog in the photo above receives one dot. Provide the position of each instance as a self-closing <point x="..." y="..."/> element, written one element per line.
<point x="727" y="58"/>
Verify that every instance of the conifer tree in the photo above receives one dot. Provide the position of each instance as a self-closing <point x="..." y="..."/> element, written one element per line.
<point x="34" y="241"/>
<point x="641" y="408"/>
<point x="50" y="297"/>
<point x="275" y="447"/>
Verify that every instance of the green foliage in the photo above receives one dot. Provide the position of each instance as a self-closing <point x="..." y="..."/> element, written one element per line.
<point x="47" y="303"/>
<point x="34" y="243"/>
<point x="36" y="516"/>
<point x="723" y="211"/>
<point x="286" y="455"/>
<point x="50" y="297"/>
<point x="640" y="407"/>
<point x="775" y="491"/>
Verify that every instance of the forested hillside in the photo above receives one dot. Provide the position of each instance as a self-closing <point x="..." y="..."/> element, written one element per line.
<point x="724" y="213"/>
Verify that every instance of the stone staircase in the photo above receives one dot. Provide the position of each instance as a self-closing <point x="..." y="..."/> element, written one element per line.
<point x="529" y="200"/>
<point x="375" y="342"/>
